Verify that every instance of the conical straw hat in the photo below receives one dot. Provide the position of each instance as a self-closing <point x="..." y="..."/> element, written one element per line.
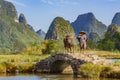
<point x="82" y="32"/>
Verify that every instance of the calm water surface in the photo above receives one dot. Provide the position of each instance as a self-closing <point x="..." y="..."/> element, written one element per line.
<point x="43" y="77"/>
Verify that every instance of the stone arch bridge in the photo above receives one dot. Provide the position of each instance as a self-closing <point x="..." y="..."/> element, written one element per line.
<point x="58" y="62"/>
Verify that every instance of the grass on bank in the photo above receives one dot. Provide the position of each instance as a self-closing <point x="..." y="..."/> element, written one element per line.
<point x="106" y="54"/>
<point x="14" y="67"/>
<point x="35" y="57"/>
<point x="90" y="70"/>
<point x="19" y="62"/>
<point x="22" y="58"/>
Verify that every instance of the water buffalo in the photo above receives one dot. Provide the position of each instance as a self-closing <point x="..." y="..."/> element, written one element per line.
<point x="69" y="43"/>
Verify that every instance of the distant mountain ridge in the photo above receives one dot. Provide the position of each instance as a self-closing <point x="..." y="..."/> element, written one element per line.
<point x="23" y="20"/>
<point x="88" y="23"/>
<point x="41" y="33"/>
<point x="30" y="27"/>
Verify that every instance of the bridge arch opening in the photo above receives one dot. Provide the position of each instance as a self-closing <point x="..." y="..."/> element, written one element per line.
<point x="61" y="66"/>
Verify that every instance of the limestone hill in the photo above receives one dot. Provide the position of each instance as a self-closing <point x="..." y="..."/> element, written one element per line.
<point x="88" y="23"/>
<point x="58" y="29"/>
<point x="14" y="36"/>
<point x="116" y="19"/>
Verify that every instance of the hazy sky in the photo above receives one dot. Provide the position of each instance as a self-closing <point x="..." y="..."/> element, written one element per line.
<point x="40" y="13"/>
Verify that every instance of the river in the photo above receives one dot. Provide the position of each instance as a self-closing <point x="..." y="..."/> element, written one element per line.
<point x="44" y="77"/>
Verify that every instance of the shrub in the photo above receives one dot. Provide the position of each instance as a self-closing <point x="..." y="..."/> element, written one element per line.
<point x="26" y="67"/>
<point x="50" y="47"/>
<point x="11" y="67"/>
<point x="90" y="70"/>
<point x="116" y="63"/>
<point x="106" y="68"/>
<point x="106" y="71"/>
<point x="2" y="67"/>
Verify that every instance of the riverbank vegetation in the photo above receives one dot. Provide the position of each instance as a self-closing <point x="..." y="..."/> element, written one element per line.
<point x="19" y="63"/>
<point x="90" y="70"/>
<point x="24" y="61"/>
<point x="106" y="54"/>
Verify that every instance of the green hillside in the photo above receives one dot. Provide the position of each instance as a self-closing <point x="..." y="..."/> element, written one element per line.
<point x="14" y="36"/>
<point x="58" y="29"/>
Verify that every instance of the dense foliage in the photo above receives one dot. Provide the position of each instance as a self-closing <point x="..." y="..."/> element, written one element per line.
<point x="111" y="41"/>
<point x="52" y="46"/>
<point x="94" y="70"/>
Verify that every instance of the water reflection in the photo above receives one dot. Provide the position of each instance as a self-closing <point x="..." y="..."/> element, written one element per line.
<point x="44" y="77"/>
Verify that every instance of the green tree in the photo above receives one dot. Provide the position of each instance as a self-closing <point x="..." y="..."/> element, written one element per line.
<point x="91" y="44"/>
<point x="50" y="47"/>
<point x="110" y="43"/>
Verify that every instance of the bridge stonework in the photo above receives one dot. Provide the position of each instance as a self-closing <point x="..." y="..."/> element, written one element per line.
<point x="58" y="62"/>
